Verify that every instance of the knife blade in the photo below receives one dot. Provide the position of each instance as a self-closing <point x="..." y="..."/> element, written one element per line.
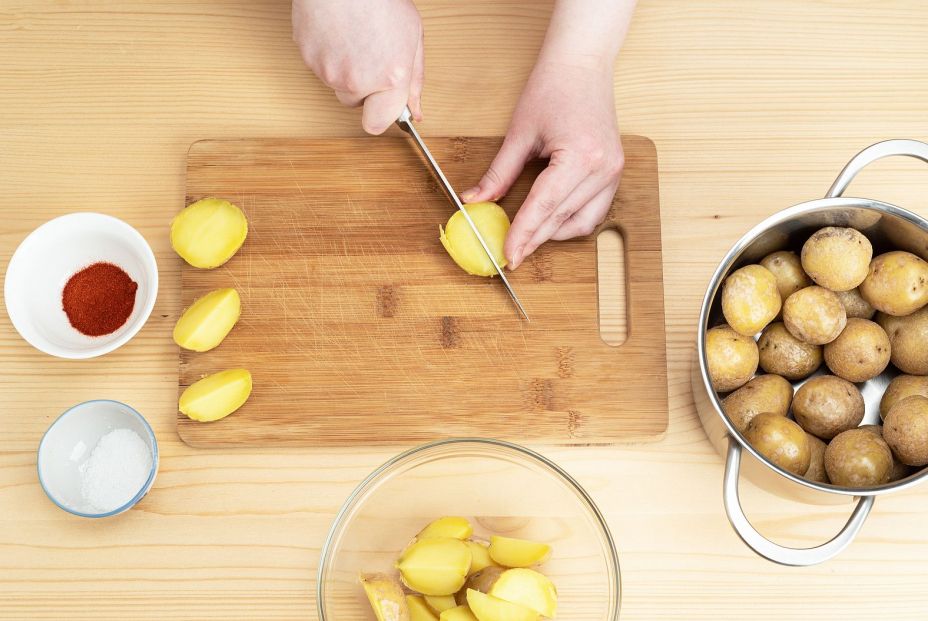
<point x="405" y="123"/>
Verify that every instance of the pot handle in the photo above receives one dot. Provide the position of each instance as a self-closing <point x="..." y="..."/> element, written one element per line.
<point x="796" y="557"/>
<point x="887" y="148"/>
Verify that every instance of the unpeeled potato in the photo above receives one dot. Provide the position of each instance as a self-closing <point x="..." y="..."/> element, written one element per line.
<point x="732" y="358"/>
<point x="901" y="387"/>
<point x="206" y="323"/>
<point x="750" y="299"/>
<point x="216" y="396"/>
<point x="464" y="247"/>
<point x="837" y="258"/>
<point x="897" y="283"/>
<point x="386" y="597"/>
<point x="787" y="269"/>
<point x="208" y="232"/>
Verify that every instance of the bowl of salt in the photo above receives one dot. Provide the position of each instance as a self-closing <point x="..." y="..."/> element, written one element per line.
<point x="98" y="459"/>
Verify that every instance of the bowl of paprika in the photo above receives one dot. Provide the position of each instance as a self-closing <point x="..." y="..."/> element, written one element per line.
<point x="81" y="285"/>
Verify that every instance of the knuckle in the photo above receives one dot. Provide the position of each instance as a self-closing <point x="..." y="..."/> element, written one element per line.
<point x="397" y="75"/>
<point x="547" y="205"/>
<point x="560" y="217"/>
<point x="493" y="176"/>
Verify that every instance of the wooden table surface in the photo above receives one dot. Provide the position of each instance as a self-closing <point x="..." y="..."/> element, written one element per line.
<point x="754" y="106"/>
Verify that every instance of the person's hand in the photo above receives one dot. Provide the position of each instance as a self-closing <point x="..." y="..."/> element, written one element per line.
<point x="567" y="114"/>
<point x="369" y="51"/>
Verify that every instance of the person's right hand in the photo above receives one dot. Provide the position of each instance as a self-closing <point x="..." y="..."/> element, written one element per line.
<point x="369" y="51"/>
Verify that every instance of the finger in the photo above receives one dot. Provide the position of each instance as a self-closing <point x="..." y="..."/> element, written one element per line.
<point x="578" y="199"/>
<point x="503" y="171"/>
<point x="352" y="100"/>
<point x="585" y="221"/>
<point x="553" y="185"/>
<point x="418" y="80"/>
<point x="381" y="109"/>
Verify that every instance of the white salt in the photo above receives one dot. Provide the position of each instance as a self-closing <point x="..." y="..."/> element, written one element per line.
<point x="116" y="470"/>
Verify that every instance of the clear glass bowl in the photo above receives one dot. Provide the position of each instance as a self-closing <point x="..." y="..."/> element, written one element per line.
<point x="503" y="489"/>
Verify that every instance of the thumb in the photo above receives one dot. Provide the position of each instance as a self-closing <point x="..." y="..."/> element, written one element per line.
<point x="382" y="108"/>
<point x="503" y="172"/>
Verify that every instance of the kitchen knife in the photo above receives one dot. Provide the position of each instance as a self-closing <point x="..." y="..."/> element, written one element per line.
<point x="405" y="123"/>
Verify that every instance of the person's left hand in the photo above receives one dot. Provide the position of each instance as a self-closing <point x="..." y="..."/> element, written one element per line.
<point x="567" y="114"/>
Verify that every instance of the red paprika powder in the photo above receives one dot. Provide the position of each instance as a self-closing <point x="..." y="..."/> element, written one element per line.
<point x="99" y="299"/>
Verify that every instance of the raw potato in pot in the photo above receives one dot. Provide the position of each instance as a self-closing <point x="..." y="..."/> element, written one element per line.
<point x="855" y="305"/>
<point x="816" y="471"/>
<point x="908" y="337"/>
<point x="897" y="283"/>
<point x="827" y="405"/>
<point x="858" y="458"/>
<point x="814" y="315"/>
<point x="906" y="430"/>
<point x="837" y="258"/>
<point x="781" y="441"/>
<point x="901" y="387"/>
<point x="787" y="269"/>
<point x="732" y="358"/>
<point x="464" y="247"/>
<point x="900" y="470"/>
<point x="783" y="354"/>
<point x="750" y="299"/>
<point x="764" y="393"/>
<point x="860" y="353"/>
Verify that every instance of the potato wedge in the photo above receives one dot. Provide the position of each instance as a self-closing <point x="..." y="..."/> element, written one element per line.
<point x="451" y="526"/>
<point x="208" y="232"/>
<point x="419" y="610"/>
<point x="435" y="565"/>
<point x="209" y="320"/>
<point x="386" y="597"/>
<point x="458" y="613"/>
<point x="216" y="396"/>
<point x="528" y="588"/>
<point x="480" y="556"/>
<point x="510" y="552"/>
<point x="488" y="608"/>
<point x="440" y="603"/>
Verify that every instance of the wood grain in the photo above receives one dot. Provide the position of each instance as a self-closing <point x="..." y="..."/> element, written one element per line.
<point x="358" y="328"/>
<point x="753" y="105"/>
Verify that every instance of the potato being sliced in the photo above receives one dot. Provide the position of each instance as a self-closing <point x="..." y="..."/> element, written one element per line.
<point x="511" y="552"/>
<point x="488" y="608"/>
<point x="480" y="556"/>
<point x="209" y="319"/>
<point x="458" y="613"/>
<point x="419" y="610"/>
<point x="528" y="588"/>
<point x="452" y="526"/>
<point x="435" y="566"/>
<point x="386" y="597"/>
<point x="464" y="247"/>
<point x="216" y="396"/>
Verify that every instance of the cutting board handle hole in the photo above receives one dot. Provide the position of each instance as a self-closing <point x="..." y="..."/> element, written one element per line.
<point x="611" y="287"/>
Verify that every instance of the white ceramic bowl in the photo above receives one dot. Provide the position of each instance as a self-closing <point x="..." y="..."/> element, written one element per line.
<point x="50" y="255"/>
<point x="69" y="442"/>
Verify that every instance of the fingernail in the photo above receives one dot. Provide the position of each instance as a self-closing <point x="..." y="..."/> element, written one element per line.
<point x="470" y="194"/>
<point x="516" y="257"/>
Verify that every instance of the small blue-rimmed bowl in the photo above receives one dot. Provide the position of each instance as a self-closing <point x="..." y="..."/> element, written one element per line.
<point x="69" y="442"/>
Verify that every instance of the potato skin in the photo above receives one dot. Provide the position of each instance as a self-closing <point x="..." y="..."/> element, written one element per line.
<point x="858" y="458"/>
<point x="780" y="440"/>
<point x="827" y="405"/>
<point x="816" y="471"/>
<point x="814" y="315"/>
<point x="787" y="269"/>
<point x="906" y="430"/>
<point x="764" y="393"/>
<point x="855" y="305"/>
<point x="897" y="283"/>
<point x="860" y="352"/>
<point x="732" y="358"/>
<point x="783" y="354"/>
<point x="908" y="338"/>
<point x="901" y="387"/>
<point x="837" y="258"/>
<point x="750" y="299"/>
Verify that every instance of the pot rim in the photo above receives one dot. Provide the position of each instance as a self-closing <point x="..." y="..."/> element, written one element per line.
<point x="780" y="217"/>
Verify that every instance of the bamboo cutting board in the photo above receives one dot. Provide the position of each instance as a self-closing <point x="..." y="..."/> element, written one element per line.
<point x="358" y="328"/>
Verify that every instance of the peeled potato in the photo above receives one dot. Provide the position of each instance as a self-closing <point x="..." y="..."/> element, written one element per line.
<point x="510" y="552"/>
<point x="480" y="556"/>
<point x="206" y="323"/>
<point x="488" y="608"/>
<point x="386" y="597"/>
<point x="528" y="588"/>
<point x="452" y="526"/>
<point x="216" y="396"/>
<point x="750" y="299"/>
<point x="464" y="247"/>
<point x="435" y="565"/>
<point x="419" y="610"/>
<point x="208" y="232"/>
<point x="458" y="613"/>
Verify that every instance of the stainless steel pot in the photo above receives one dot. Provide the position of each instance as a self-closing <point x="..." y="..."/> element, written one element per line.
<point x="887" y="226"/>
